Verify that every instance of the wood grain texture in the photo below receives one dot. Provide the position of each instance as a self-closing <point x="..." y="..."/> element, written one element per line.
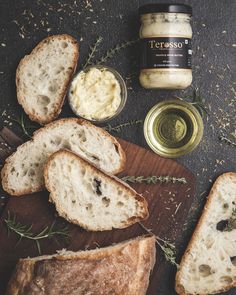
<point x="168" y="205"/>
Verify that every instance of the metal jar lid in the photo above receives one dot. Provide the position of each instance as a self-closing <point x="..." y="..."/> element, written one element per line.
<point x="173" y="128"/>
<point x="166" y="8"/>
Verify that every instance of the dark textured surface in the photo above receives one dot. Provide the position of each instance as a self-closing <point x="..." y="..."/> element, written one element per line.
<point x="24" y="23"/>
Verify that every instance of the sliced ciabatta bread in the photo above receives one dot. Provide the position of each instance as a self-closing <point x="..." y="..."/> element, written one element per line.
<point x="209" y="263"/>
<point x="121" y="269"/>
<point x="23" y="171"/>
<point x="43" y="76"/>
<point x="89" y="197"/>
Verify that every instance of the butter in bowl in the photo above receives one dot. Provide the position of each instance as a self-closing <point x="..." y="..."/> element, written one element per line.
<point x="97" y="93"/>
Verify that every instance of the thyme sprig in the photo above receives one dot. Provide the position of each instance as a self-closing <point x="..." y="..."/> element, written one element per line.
<point x="197" y="101"/>
<point x="93" y="50"/>
<point x="231" y="222"/>
<point x="25" y="232"/>
<point x="21" y="122"/>
<point x="168" y="248"/>
<point x="223" y="137"/>
<point x="119" y="127"/>
<point x="111" y="52"/>
<point x="154" y="179"/>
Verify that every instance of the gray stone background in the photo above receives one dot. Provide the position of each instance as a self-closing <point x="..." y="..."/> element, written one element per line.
<point x="24" y="23"/>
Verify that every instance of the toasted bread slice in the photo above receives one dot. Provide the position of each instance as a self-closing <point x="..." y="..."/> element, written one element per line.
<point x="89" y="197"/>
<point x="23" y="171"/>
<point x="43" y="76"/>
<point x="209" y="263"/>
<point x="123" y="268"/>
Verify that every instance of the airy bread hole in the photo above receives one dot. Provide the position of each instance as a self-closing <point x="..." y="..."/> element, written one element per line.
<point x="29" y="74"/>
<point x="89" y="207"/>
<point x="120" y="192"/>
<point x="45" y="110"/>
<point x="53" y="88"/>
<point x="24" y="172"/>
<point x="64" y="44"/>
<point x="43" y="100"/>
<point x="209" y="242"/>
<point x="222" y="225"/>
<point x="82" y="136"/>
<point x="233" y="260"/>
<point x="204" y="270"/>
<point x="120" y="204"/>
<point x="226" y="280"/>
<point x="116" y="148"/>
<point x="56" y="141"/>
<point x="53" y="164"/>
<point x="59" y="70"/>
<point x="12" y="169"/>
<point x="31" y="172"/>
<point x="97" y="186"/>
<point x="106" y="201"/>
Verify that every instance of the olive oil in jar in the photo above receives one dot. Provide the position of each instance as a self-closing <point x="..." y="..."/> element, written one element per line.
<point x="173" y="128"/>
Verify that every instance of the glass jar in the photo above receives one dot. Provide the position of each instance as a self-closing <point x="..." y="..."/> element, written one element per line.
<point x="166" y="35"/>
<point x="173" y="128"/>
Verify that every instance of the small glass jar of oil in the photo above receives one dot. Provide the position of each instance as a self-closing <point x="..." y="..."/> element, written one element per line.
<point x="173" y="128"/>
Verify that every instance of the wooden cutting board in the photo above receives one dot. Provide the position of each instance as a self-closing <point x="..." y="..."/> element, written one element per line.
<point x="168" y="206"/>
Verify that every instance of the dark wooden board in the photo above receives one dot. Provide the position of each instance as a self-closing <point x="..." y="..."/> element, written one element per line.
<point x="168" y="206"/>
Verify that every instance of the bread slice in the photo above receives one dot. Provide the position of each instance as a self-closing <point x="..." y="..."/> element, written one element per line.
<point x="43" y="76"/>
<point x="90" y="198"/>
<point x="23" y="171"/>
<point x="121" y="269"/>
<point x="209" y="263"/>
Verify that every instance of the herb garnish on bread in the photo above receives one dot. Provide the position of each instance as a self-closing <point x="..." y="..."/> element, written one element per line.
<point x="123" y="268"/>
<point x="23" y="170"/>
<point x="43" y="76"/>
<point x="89" y="197"/>
<point x="209" y="263"/>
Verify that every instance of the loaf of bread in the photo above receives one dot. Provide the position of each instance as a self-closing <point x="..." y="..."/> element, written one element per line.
<point x="209" y="263"/>
<point x="121" y="269"/>
<point x="43" y="76"/>
<point x="23" y="171"/>
<point x="89" y="197"/>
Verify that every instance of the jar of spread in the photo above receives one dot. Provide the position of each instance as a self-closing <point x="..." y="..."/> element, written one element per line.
<point x="166" y="35"/>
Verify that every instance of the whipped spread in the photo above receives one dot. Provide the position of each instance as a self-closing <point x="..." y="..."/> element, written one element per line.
<point x="95" y="94"/>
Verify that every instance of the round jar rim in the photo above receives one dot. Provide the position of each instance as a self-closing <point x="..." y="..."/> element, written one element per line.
<point x="197" y="131"/>
<point x="165" y="7"/>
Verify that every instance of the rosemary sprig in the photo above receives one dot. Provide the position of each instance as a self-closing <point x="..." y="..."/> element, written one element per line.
<point x="223" y="137"/>
<point x="111" y="52"/>
<point x="231" y="222"/>
<point x="197" y="101"/>
<point x="154" y="179"/>
<point x="119" y="127"/>
<point x="168" y="248"/>
<point x="93" y="50"/>
<point x="24" y="231"/>
<point x="21" y="122"/>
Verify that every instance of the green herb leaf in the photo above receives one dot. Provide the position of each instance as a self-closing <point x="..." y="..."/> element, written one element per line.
<point x="168" y="248"/>
<point x="197" y="101"/>
<point x="93" y="50"/>
<point x="223" y="137"/>
<point x="24" y="231"/>
<point x="154" y="179"/>
<point x="111" y="52"/>
<point x="119" y="127"/>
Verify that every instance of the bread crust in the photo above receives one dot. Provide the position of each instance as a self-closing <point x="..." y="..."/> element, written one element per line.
<point x="6" y="168"/>
<point x="63" y="214"/>
<point x="139" y="254"/>
<point x="24" y="60"/>
<point x="178" y="287"/>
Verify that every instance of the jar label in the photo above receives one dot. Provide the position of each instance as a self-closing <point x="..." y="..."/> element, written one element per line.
<point x="166" y="52"/>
